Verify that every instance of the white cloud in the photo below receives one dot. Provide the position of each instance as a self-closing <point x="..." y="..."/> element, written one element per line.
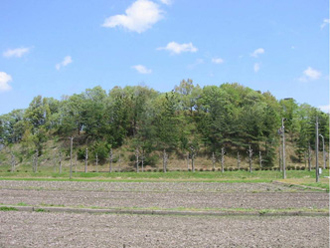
<point x="67" y="60"/>
<point x="167" y="2"/>
<point x="257" y="52"/>
<point x="310" y="74"/>
<point x="17" y="52"/>
<point x="177" y="48"/>
<point x="139" y="17"/>
<point x="325" y="108"/>
<point x="325" y="22"/>
<point x="142" y="69"/>
<point x="4" y="81"/>
<point x="256" y="67"/>
<point x="217" y="60"/>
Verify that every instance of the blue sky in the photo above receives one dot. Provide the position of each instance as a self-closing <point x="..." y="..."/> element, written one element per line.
<point x="55" y="48"/>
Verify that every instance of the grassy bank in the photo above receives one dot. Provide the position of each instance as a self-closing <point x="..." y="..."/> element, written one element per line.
<point x="293" y="176"/>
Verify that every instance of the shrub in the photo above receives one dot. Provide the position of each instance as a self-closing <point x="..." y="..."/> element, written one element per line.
<point x="151" y="160"/>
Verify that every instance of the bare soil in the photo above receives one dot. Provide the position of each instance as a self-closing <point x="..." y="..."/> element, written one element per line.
<point x="26" y="229"/>
<point x="45" y="229"/>
<point x="161" y="195"/>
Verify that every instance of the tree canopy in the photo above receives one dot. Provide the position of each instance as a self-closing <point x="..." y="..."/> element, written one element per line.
<point x="208" y="118"/>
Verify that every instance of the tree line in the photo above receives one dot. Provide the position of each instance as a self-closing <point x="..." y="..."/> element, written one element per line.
<point x="188" y="118"/>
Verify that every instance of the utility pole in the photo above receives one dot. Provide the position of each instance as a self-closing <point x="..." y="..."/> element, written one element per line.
<point x="238" y="161"/>
<point x="110" y="158"/>
<point x="324" y="164"/>
<point x="317" y="149"/>
<point x="86" y="160"/>
<point x="283" y="148"/>
<point x="250" y="152"/>
<point x="309" y="157"/>
<point x="71" y="143"/>
<point x="137" y="159"/>
<point x="192" y="158"/>
<point x="222" y="160"/>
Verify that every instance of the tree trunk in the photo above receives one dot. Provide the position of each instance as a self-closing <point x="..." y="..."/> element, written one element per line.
<point x="142" y="161"/>
<point x="222" y="160"/>
<point x="213" y="161"/>
<point x="137" y="160"/>
<point x="97" y="162"/>
<point x="36" y="161"/>
<point x="54" y="163"/>
<point x="110" y="158"/>
<point x="164" y="161"/>
<point x="238" y="161"/>
<point x="13" y="162"/>
<point x="309" y="158"/>
<point x="71" y="141"/>
<point x="60" y="161"/>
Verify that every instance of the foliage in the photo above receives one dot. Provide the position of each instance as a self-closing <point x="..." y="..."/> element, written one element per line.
<point x="189" y="117"/>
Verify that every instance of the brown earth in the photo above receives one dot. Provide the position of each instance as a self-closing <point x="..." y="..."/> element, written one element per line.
<point x="26" y="229"/>
<point x="44" y="229"/>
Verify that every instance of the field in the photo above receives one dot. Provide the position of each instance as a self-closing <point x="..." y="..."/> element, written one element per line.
<point x="176" y="209"/>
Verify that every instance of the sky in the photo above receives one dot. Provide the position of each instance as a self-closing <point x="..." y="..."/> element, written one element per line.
<point x="56" y="48"/>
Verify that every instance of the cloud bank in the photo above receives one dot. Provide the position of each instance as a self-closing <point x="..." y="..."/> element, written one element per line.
<point x="176" y="48"/>
<point x="139" y="17"/>
<point x="4" y="81"/>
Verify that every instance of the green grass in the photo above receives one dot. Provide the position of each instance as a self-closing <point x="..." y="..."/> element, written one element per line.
<point x="40" y="210"/>
<point x="178" y="176"/>
<point x="4" y="208"/>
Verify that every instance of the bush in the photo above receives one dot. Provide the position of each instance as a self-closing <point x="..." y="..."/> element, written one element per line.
<point x="151" y="160"/>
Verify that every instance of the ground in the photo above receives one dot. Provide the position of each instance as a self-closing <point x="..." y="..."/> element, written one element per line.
<point x="67" y="229"/>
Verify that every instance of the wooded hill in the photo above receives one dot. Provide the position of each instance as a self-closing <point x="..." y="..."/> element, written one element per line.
<point x="189" y="118"/>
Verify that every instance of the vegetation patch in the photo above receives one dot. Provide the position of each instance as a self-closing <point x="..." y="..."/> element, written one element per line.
<point x="4" y="208"/>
